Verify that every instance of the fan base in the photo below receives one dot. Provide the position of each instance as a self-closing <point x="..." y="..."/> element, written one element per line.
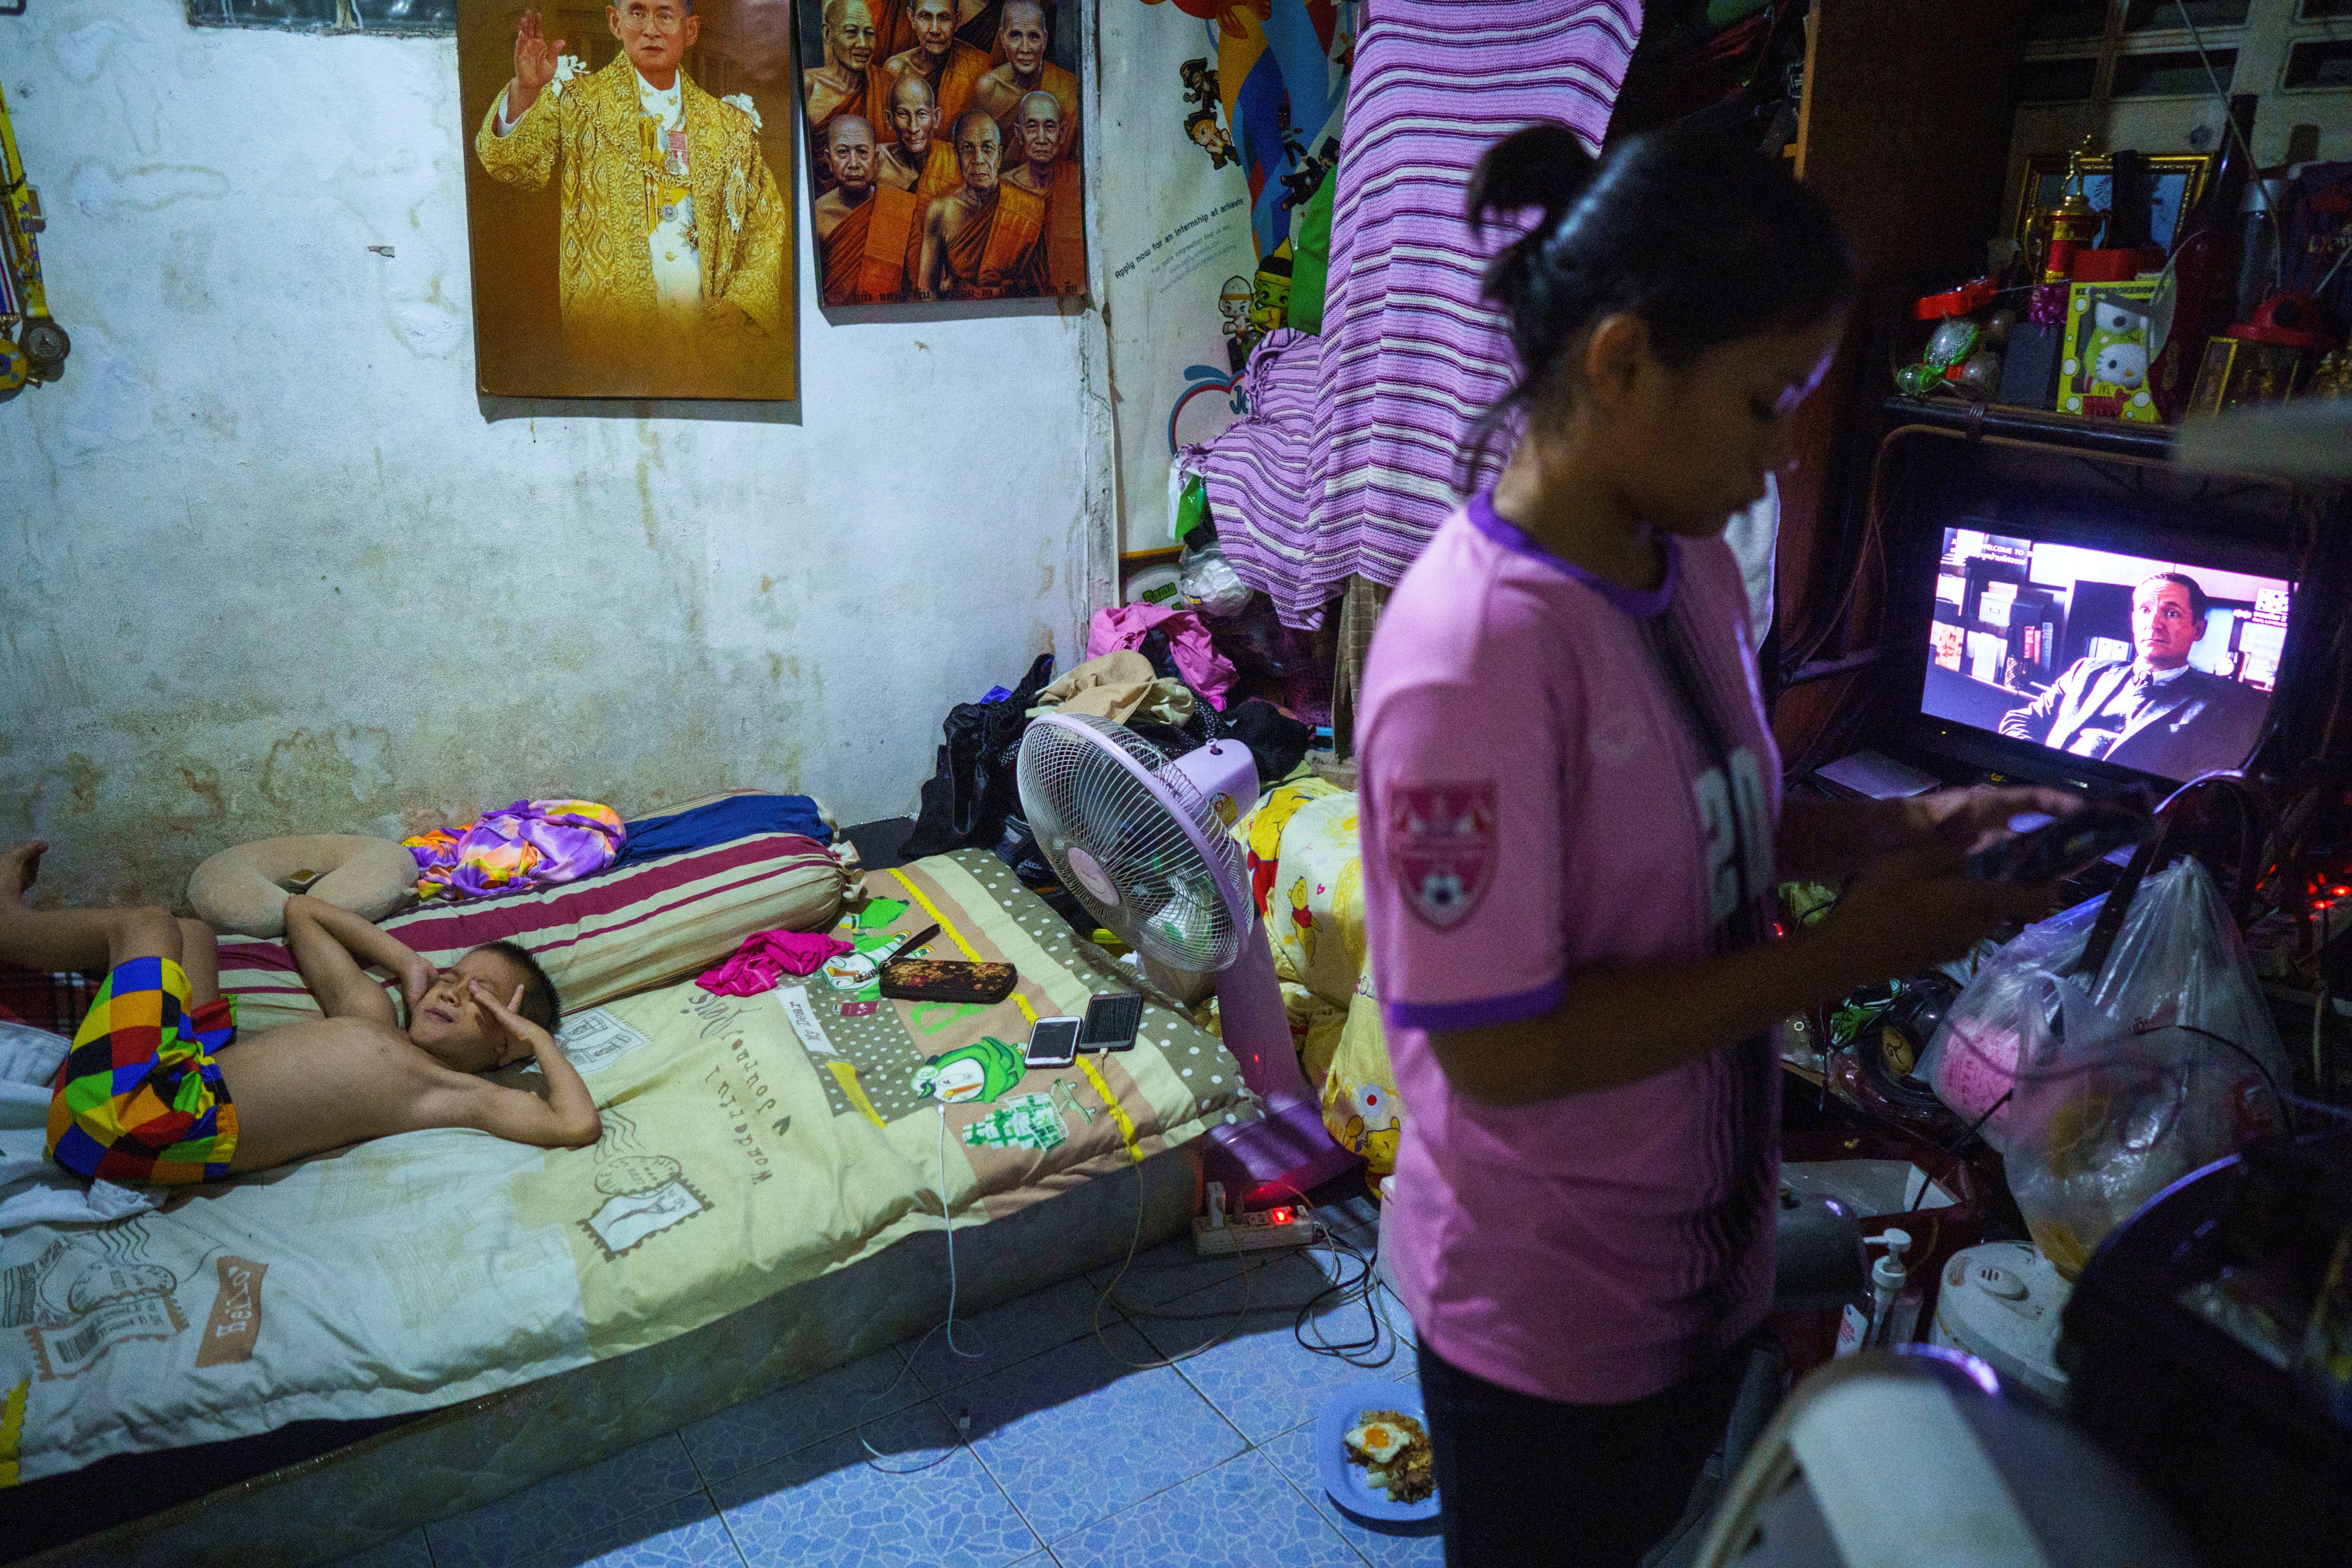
<point x="1288" y="1151"/>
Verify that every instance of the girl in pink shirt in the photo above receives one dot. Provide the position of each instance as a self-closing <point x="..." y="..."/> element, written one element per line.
<point x="1571" y="830"/>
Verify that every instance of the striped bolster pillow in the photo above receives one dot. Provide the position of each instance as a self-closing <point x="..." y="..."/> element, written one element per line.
<point x="598" y="939"/>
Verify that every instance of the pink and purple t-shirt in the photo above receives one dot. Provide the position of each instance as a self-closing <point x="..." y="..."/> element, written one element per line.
<point x="1537" y="801"/>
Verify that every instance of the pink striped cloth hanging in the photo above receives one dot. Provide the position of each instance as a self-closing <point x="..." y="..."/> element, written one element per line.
<point x="1347" y="460"/>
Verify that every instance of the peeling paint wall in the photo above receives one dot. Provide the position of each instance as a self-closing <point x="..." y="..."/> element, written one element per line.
<point x="266" y="567"/>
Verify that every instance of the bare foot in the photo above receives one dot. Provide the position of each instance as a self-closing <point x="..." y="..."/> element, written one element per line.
<point x="19" y="864"/>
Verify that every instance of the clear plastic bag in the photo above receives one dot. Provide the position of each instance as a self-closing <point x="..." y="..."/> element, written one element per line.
<point x="2099" y="1091"/>
<point x="1210" y="582"/>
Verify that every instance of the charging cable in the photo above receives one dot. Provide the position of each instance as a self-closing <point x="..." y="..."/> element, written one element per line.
<point x="964" y="1423"/>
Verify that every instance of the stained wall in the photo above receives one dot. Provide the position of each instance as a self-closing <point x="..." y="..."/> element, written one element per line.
<point x="267" y="564"/>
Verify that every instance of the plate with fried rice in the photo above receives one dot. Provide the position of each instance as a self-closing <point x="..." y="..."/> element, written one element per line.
<point x="1371" y="1442"/>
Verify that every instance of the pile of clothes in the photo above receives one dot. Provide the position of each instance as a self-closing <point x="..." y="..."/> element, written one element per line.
<point x="1154" y="670"/>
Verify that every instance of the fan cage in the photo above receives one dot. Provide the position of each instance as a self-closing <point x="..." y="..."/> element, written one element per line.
<point x="1097" y="786"/>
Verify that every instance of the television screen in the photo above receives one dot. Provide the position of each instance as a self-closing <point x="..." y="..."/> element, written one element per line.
<point x="2162" y="667"/>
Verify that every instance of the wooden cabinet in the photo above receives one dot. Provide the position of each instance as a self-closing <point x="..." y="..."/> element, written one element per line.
<point x="1904" y="130"/>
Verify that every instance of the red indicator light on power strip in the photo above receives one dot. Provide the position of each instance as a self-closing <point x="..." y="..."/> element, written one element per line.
<point x="1278" y="1216"/>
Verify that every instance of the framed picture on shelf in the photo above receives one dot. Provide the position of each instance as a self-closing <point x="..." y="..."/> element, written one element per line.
<point x="2177" y="180"/>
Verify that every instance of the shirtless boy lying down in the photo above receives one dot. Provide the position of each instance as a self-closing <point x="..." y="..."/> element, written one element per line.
<point x="158" y="1087"/>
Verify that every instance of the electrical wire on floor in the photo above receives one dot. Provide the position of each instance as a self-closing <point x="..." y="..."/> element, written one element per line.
<point x="1342" y="1291"/>
<point x="1108" y="1296"/>
<point x="947" y="1216"/>
<point x="1361" y="1289"/>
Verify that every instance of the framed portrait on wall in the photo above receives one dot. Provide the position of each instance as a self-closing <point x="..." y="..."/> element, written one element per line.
<point x="943" y="149"/>
<point x="628" y="198"/>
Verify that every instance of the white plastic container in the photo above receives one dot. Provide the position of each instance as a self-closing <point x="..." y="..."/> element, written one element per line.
<point x="2000" y="1303"/>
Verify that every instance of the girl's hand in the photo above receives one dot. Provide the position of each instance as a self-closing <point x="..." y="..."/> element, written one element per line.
<point x="1918" y="908"/>
<point x="1964" y="820"/>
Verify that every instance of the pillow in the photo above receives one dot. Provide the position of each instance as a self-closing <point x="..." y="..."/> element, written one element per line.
<point x="599" y="938"/>
<point x="243" y="889"/>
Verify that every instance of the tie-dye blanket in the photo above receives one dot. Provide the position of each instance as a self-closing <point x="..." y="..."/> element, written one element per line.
<point x="530" y="844"/>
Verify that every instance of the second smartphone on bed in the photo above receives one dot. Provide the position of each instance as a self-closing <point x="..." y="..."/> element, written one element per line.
<point x="1111" y="1022"/>
<point x="1110" y="1025"/>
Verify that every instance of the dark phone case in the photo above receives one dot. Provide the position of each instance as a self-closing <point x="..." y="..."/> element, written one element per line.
<point x="939" y="980"/>
<point x="2065" y="844"/>
<point x="1123" y="1040"/>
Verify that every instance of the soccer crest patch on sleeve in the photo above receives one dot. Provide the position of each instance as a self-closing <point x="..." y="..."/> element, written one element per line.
<point x="1442" y="849"/>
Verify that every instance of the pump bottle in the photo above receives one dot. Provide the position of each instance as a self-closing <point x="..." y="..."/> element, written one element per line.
<point x="1888" y="1312"/>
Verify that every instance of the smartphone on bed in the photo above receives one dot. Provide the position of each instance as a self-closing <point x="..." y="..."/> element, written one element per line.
<point x="1054" y="1043"/>
<point x="1111" y="1022"/>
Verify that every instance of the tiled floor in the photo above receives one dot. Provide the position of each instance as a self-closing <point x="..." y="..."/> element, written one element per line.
<point x="1051" y="1447"/>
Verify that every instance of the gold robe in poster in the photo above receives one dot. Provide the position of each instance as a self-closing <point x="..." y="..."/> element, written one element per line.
<point x="606" y="272"/>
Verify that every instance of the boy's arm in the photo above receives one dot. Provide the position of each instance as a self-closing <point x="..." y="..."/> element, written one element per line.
<point x="331" y="945"/>
<point x="566" y="1118"/>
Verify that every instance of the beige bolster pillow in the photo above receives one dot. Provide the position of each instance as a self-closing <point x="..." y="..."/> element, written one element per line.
<point x="243" y="889"/>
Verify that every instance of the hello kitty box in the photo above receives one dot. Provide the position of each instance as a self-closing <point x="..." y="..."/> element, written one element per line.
<point x="2105" y="371"/>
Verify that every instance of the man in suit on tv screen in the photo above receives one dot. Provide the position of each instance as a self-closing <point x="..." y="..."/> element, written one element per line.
<point x="2154" y="712"/>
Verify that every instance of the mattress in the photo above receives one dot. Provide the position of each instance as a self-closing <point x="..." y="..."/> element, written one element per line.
<point x="755" y="1149"/>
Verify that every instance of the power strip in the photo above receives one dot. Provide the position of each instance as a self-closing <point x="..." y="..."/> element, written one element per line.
<point x="1268" y="1231"/>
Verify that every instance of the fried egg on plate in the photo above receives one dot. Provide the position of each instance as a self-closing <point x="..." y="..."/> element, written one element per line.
<point x="1377" y="1440"/>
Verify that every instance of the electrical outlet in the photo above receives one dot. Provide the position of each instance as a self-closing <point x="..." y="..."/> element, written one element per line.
<point x="1267" y="1230"/>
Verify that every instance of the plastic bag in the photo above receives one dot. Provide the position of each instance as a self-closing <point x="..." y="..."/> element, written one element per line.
<point x="2100" y="1091"/>
<point x="1210" y="583"/>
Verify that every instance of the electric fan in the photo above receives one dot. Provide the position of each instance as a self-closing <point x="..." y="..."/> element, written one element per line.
<point x="1143" y="839"/>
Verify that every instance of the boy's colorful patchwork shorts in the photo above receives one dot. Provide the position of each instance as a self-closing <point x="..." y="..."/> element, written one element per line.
<point x="140" y="1098"/>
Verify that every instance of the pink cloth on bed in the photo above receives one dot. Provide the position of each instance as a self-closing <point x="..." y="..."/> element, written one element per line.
<point x="1126" y="626"/>
<point x="766" y="957"/>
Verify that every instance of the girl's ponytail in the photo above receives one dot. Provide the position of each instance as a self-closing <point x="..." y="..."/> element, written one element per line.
<point x="1706" y="241"/>
<point x="1543" y="166"/>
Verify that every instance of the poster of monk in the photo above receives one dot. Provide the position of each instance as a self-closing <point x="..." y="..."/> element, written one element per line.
<point x="628" y="184"/>
<point x="943" y="149"/>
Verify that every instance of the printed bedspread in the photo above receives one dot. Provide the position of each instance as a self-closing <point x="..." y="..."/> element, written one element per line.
<point x="1306" y="875"/>
<point x="749" y="1144"/>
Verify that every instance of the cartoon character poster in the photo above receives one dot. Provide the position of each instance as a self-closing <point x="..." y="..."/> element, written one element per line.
<point x="943" y="144"/>
<point x="628" y="196"/>
<point x="1220" y="120"/>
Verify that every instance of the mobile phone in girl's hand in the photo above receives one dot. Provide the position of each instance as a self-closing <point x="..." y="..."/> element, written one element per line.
<point x="2056" y="848"/>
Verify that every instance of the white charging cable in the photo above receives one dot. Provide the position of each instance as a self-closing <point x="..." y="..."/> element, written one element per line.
<point x="964" y="1423"/>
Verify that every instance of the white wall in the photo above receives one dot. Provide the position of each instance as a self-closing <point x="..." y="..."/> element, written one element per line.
<point x="266" y="566"/>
